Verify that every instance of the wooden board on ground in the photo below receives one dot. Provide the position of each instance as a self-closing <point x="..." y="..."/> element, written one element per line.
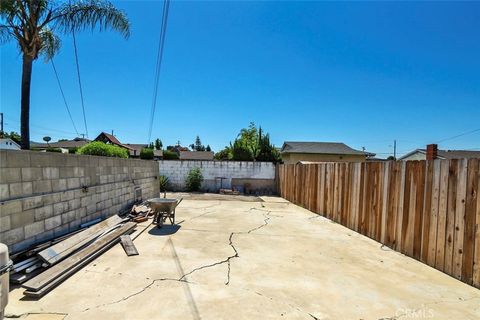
<point x="128" y="245"/>
<point x="56" y="274"/>
<point x="64" y="248"/>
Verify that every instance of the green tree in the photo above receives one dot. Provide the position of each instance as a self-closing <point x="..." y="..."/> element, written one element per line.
<point x="158" y="144"/>
<point x="224" y="154"/>
<point x="208" y="148"/>
<point x="12" y="135"/>
<point x="197" y="146"/>
<point x="35" y="25"/>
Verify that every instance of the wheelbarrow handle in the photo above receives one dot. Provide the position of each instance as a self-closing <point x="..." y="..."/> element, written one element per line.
<point x="178" y="202"/>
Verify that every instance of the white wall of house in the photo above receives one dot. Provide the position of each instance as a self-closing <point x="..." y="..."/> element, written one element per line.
<point x="177" y="171"/>
<point x="415" y="156"/>
<point x="9" y="144"/>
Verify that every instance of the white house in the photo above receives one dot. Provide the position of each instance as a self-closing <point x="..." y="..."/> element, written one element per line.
<point x="7" y="143"/>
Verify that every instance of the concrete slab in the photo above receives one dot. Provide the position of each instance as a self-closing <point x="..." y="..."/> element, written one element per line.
<point x="245" y="260"/>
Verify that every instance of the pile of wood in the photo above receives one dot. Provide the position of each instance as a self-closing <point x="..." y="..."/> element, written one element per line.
<point x="45" y="266"/>
<point x="141" y="212"/>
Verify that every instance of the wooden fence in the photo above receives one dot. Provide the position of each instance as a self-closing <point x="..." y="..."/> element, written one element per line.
<point x="428" y="210"/>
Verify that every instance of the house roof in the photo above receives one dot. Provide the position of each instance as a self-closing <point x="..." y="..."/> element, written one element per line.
<point x="447" y="154"/>
<point x="67" y="144"/>
<point x="112" y="139"/>
<point x="196" y="155"/>
<point x="321" y="148"/>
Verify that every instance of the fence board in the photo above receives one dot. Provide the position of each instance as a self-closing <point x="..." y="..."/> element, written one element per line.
<point x="432" y="248"/>
<point x="442" y="217"/>
<point x="460" y="219"/>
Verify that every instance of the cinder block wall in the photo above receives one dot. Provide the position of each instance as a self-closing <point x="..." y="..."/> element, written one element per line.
<point x="177" y="171"/>
<point x="42" y="194"/>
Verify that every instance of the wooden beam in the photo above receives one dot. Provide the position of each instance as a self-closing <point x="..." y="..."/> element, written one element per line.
<point x="58" y="273"/>
<point x="63" y="249"/>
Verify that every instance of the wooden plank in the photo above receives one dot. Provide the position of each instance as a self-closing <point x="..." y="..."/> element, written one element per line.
<point x="442" y="216"/>
<point x="476" y="255"/>
<point x="385" y="199"/>
<point x="61" y="250"/>
<point x="419" y="206"/>
<point x="460" y="220"/>
<point x="400" y="211"/>
<point x="409" y="210"/>
<point x="432" y="247"/>
<point x="128" y="245"/>
<point x="427" y="204"/>
<point x="470" y="211"/>
<point x="59" y="272"/>
<point x="450" y="224"/>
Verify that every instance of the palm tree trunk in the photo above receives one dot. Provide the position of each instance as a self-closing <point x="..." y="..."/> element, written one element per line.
<point x="25" y="102"/>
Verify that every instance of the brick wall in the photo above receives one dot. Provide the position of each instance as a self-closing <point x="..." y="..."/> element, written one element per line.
<point x="177" y="171"/>
<point x="42" y="194"/>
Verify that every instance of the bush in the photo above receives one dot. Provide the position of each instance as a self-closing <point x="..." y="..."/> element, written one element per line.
<point x="164" y="182"/>
<point x="50" y="149"/>
<point x="194" y="179"/>
<point x="73" y="150"/>
<point x="170" y="155"/>
<point x="146" y="154"/>
<point x="97" y="148"/>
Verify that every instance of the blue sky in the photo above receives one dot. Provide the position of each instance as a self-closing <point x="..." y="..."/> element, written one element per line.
<point x="363" y="73"/>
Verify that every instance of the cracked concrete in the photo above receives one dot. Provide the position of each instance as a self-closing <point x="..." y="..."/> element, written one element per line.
<point x="249" y="259"/>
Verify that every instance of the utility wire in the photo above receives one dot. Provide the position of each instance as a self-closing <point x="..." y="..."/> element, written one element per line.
<point x="79" y="81"/>
<point x="161" y="44"/>
<point x="63" y="96"/>
<point x="459" y="135"/>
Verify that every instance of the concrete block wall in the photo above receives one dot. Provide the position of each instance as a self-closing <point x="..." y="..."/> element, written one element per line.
<point x="177" y="171"/>
<point x="44" y="195"/>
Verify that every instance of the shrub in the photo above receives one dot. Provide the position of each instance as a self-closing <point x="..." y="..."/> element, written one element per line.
<point x="164" y="182"/>
<point x="97" y="148"/>
<point x="194" y="179"/>
<point x="146" y="154"/>
<point x="73" y="150"/>
<point x="51" y="149"/>
<point x="170" y="155"/>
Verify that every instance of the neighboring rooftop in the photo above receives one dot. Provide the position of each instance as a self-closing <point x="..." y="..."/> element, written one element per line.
<point x="110" y="138"/>
<point x="66" y="144"/>
<point x="447" y="154"/>
<point x="196" y="155"/>
<point x="321" y="147"/>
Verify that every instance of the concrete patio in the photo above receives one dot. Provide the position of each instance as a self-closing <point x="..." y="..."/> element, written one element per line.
<point x="249" y="259"/>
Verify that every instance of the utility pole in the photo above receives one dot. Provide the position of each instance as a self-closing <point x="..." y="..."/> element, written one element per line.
<point x="1" y="122"/>
<point x="395" y="149"/>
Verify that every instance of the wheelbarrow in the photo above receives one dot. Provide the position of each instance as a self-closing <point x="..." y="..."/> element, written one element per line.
<point x="163" y="208"/>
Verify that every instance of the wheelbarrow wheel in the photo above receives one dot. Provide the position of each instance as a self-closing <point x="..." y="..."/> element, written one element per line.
<point x="160" y="220"/>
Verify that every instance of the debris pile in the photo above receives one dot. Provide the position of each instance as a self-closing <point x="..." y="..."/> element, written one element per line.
<point x="42" y="267"/>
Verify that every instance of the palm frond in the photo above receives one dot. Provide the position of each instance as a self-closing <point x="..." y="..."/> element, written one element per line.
<point x="5" y="34"/>
<point x="90" y="14"/>
<point x="50" y="43"/>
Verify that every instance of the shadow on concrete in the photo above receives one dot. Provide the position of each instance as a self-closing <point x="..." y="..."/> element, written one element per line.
<point x="165" y="230"/>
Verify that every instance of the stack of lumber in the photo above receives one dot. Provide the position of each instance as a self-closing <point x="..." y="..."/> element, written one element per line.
<point x="141" y="212"/>
<point x="47" y="265"/>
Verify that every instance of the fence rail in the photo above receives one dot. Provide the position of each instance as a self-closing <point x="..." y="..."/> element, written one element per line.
<point x="428" y="210"/>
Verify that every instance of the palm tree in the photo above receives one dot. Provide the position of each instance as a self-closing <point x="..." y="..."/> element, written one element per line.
<point x="34" y="25"/>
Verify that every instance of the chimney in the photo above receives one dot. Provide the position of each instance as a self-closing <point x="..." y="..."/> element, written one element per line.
<point x="432" y="151"/>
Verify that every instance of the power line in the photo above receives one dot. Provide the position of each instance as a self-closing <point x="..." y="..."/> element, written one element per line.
<point x="161" y="44"/>
<point x="79" y="81"/>
<point x="459" y="135"/>
<point x="63" y="96"/>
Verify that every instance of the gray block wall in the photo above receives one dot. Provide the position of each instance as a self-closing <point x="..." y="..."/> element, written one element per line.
<point x="44" y="195"/>
<point x="177" y="171"/>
